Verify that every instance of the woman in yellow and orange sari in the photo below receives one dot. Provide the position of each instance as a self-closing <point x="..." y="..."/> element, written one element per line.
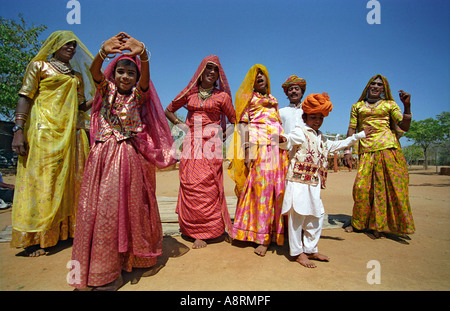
<point x="258" y="166"/>
<point x="50" y="139"/>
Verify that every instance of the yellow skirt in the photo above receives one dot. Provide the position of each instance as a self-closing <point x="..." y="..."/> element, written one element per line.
<point x="66" y="228"/>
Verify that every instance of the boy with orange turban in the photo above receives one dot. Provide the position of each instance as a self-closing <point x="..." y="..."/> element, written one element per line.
<point x="306" y="177"/>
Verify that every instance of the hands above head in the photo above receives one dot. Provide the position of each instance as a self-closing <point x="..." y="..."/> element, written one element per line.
<point x="121" y="42"/>
<point x="134" y="46"/>
<point x="115" y="44"/>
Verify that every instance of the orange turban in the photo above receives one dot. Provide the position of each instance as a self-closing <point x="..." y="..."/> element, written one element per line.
<point x="317" y="103"/>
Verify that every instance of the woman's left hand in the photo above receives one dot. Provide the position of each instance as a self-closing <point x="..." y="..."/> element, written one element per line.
<point x="405" y="98"/>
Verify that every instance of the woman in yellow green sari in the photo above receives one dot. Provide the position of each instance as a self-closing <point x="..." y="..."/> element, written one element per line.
<point x="52" y="145"/>
<point x="380" y="191"/>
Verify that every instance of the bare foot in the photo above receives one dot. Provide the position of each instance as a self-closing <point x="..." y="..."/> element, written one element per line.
<point x="304" y="261"/>
<point x="199" y="244"/>
<point x="35" y="251"/>
<point x="318" y="256"/>
<point x="348" y="229"/>
<point x="261" y="250"/>
<point x="377" y="234"/>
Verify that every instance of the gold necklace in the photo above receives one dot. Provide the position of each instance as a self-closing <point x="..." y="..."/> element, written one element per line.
<point x="205" y="93"/>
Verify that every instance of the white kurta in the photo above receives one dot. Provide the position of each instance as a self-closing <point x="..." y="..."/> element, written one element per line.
<point x="291" y="117"/>
<point x="304" y="198"/>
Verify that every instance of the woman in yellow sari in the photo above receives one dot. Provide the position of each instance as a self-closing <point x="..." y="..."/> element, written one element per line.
<point x="52" y="145"/>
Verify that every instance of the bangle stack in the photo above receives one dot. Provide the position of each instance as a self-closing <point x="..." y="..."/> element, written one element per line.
<point x="348" y="151"/>
<point x="103" y="55"/>
<point x="21" y="116"/>
<point x="148" y="53"/>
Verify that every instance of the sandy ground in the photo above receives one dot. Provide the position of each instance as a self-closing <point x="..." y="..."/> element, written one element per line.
<point x="422" y="263"/>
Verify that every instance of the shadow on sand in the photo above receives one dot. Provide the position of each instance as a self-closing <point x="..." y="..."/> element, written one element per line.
<point x="171" y="249"/>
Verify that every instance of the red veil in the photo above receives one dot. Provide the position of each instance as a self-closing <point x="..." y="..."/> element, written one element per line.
<point x="222" y="82"/>
<point x="155" y="141"/>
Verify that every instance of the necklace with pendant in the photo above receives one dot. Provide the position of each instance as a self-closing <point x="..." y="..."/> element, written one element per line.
<point x="204" y="93"/>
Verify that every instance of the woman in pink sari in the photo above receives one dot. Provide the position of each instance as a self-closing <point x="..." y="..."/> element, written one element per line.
<point x="119" y="226"/>
<point x="258" y="166"/>
<point x="202" y="209"/>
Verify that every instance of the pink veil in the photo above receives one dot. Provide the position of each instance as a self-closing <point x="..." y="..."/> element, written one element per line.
<point x="155" y="141"/>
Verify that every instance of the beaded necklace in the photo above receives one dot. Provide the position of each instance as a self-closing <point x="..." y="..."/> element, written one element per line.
<point x="62" y="67"/>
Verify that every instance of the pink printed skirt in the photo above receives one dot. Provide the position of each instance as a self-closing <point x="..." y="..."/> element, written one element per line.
<point x="118" y="223"/>
<point x="258" y="212"/>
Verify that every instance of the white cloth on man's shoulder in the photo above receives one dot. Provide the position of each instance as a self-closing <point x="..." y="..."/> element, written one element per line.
<point x="291" y="117"/>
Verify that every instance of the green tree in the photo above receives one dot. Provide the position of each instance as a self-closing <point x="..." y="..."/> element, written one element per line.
<point x="429" y="132"/>
<point x="444" y="145"/>
<point x="412" y="153"/>
<point x="444" y="123"/>
<point x="18" y="45"/>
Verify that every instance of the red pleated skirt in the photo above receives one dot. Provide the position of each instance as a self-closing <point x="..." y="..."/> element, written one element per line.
<point x="201" y="207"/>
<point x="118" y="225"/>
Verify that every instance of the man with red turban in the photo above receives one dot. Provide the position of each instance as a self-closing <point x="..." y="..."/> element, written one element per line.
<point x="291" y="116"/>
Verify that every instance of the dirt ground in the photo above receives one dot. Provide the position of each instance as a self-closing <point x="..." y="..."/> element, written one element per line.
<point x="422" y="263"/>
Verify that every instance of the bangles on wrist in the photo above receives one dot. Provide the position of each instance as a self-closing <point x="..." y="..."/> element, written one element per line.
<point x="407" y="116"/>
<point x="21" y="116"/>
<point x="142" y="52"/>
<point x="103" y="55"/>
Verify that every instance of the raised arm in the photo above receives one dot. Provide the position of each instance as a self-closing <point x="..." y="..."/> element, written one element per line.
<point x="138" y="48"/>
<point x="111" y="46"/>
<point x="406" y="100"/>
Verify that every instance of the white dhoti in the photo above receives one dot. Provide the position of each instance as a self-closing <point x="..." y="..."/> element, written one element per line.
<point x="306" y="241"/>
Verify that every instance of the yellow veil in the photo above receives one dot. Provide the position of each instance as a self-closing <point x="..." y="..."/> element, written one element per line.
<point x="80" y="62"/>
<point x="237" y="169"/>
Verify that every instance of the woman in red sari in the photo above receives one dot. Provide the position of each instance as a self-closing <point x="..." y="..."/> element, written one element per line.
<point x="201" y="208"/>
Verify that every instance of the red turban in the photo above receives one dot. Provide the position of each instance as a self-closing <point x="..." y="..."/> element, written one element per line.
<point x="317" y="103"/>
<point x="294" y="80"/>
